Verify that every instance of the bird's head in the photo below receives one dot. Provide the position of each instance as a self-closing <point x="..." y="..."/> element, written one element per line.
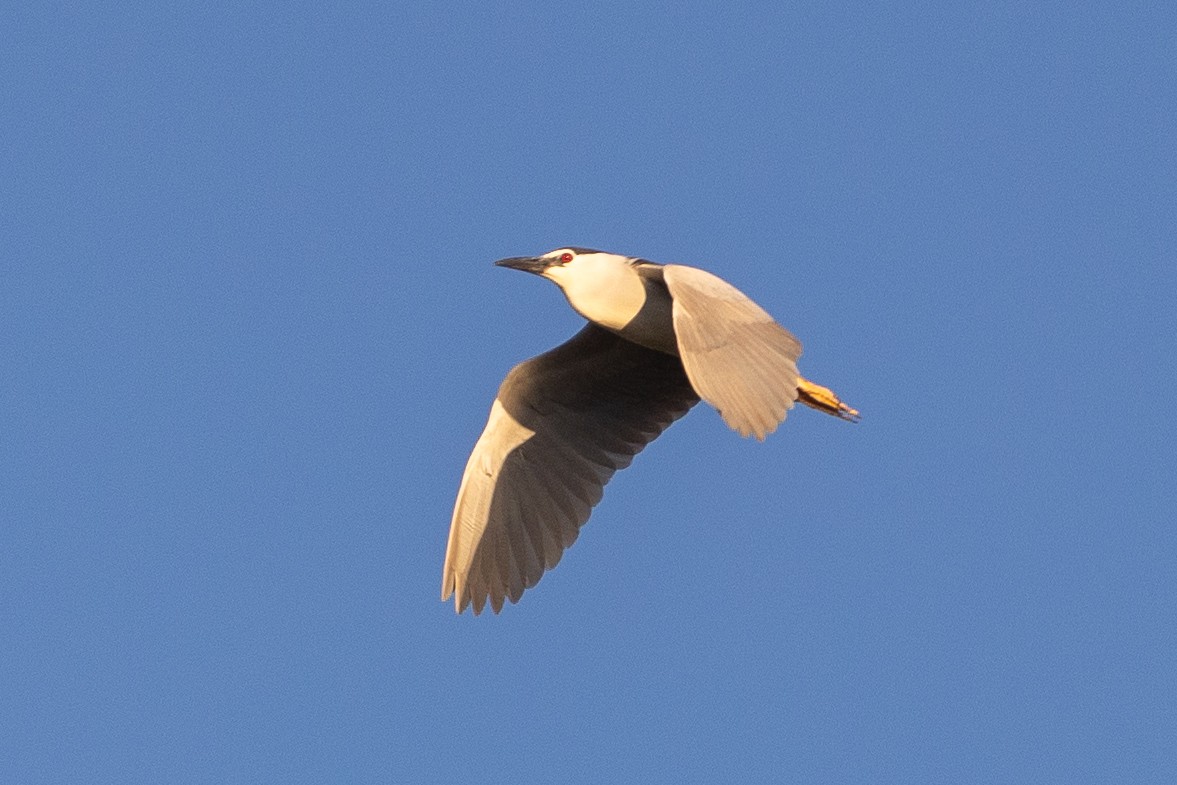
<point x="565" y="265"/>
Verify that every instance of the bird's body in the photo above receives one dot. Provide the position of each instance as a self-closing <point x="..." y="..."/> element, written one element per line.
<point x="659" y="339"/>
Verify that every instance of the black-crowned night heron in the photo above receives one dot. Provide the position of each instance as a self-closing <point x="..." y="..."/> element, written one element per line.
<point x="659" y="338"/>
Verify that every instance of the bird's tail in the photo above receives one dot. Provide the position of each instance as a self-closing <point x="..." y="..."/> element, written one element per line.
<point x="824" y="400"/>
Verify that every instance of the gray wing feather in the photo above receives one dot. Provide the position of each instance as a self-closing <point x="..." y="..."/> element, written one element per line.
<point x="737" y="357"/>
<point x="561" y="425"/>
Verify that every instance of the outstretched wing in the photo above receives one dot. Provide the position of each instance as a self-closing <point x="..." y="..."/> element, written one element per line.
<point x="738" y="358"/>
<point x="561" y="425"/>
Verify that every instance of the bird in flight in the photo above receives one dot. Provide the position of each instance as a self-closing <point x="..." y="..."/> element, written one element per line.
<point x="659" y="338"/>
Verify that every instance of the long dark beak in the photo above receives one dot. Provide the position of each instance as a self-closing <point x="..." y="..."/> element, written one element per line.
<point x="528" y="264"/>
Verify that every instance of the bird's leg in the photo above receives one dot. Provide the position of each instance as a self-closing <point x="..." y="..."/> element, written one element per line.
<point x="824" y="400"/>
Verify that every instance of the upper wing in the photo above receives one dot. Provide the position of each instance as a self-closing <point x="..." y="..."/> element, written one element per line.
<point x="737" y="357"/>
<point x="561" y="425"/>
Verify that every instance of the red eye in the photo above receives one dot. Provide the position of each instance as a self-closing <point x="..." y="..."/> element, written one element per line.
<point x="565" y="258"/>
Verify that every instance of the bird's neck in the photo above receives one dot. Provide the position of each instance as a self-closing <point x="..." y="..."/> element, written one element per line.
<point x="619" y="298"/>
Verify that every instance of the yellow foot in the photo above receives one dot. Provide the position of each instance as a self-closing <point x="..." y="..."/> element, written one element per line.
<point x="824" y="400"/>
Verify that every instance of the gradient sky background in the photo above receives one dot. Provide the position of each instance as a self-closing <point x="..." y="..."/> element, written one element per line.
<point x="250" y="330"/>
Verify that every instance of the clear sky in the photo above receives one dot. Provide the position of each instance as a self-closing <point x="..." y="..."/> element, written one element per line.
<point x="250" y="329"/>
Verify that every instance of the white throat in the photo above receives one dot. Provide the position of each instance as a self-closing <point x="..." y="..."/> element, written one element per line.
<point x="601" y="287"/>
<point x="607" y="290"/>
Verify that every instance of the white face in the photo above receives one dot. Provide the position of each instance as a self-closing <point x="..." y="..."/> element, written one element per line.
<point x="568" y="263"/>
<point x="602" y="287"/>
<point x="559" y="260"/>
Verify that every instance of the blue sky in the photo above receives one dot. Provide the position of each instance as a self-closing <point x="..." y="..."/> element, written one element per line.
<point x="250" y="329"/>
